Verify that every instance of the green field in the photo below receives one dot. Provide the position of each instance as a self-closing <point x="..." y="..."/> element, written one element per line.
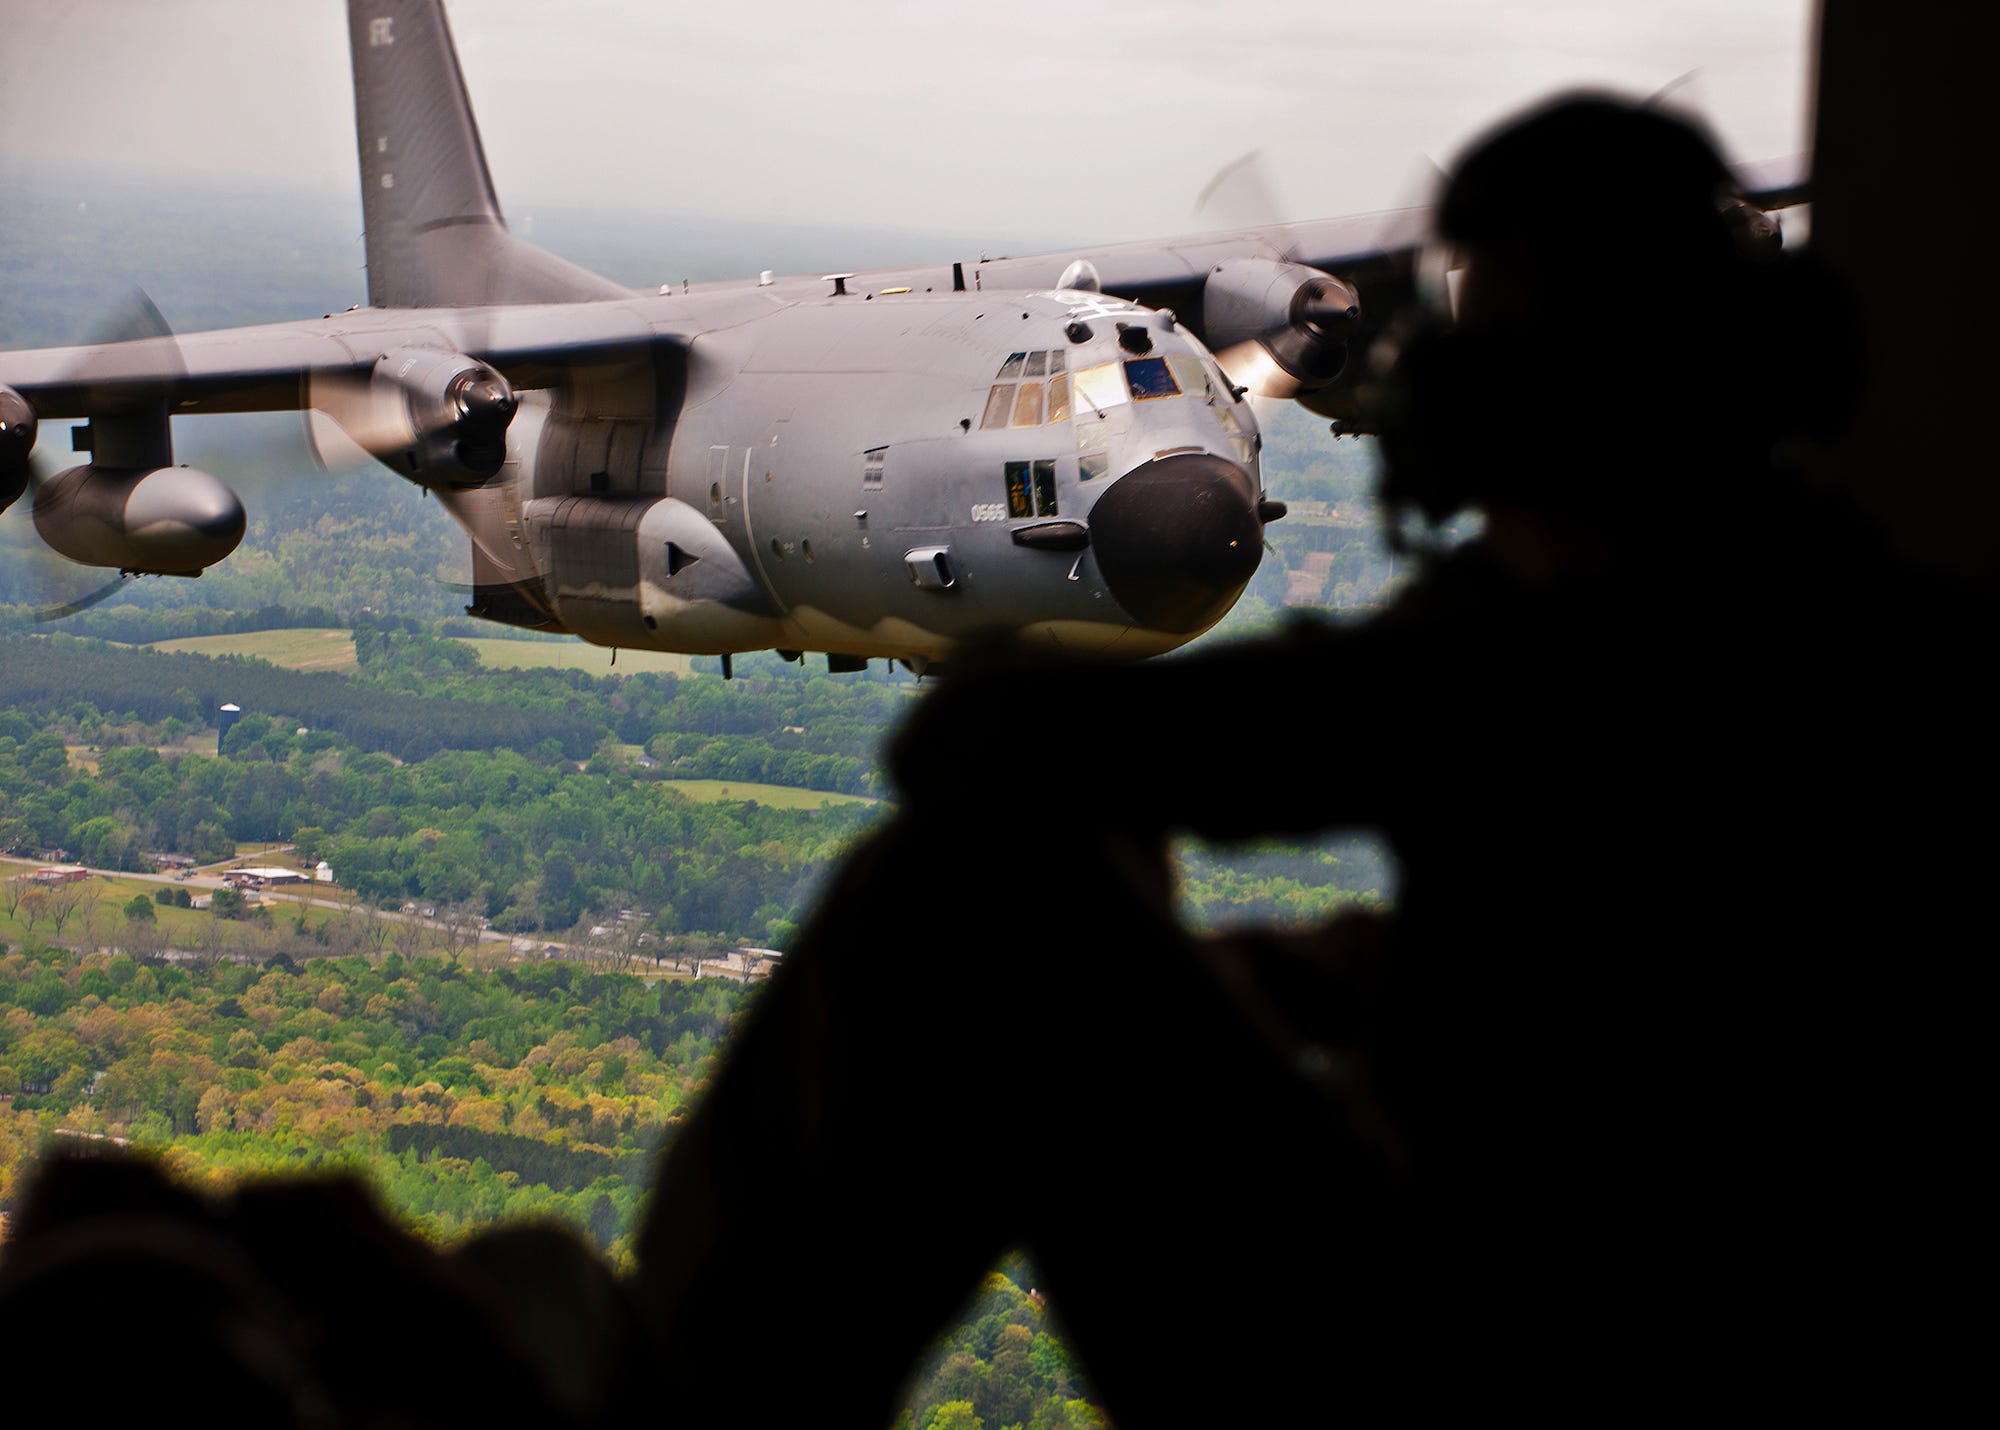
<point x="575" y="655"/>
<point x="776" y="796"/>
<point x="314" y="649"/>
<point x="103" y="920"/>
<point x="308" y="648"/>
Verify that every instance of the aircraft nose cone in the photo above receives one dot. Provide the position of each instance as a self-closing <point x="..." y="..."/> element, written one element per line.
<point x="1177" y="540"/>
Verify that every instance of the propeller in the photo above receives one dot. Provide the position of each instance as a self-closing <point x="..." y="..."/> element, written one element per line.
<point x="83" y="602"/>
<point x="134" y="319"/>
<point x="439" y="418"/>
<point x="1240" y="195"/>
<point x="1278" y="326"/>
<point x="28" y="475"/>
<point x="436" y="416"/>
<point x="1426" y="285"/>
<point x="130" y="509"/>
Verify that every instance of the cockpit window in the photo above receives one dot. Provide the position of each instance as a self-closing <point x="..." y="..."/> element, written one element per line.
<point x="1023" y="406"/>
<point x="1028" y="405"/>
<point x="1149" y="378"/>
<point x="1194" y="377"/>
<point x="1058" y="398"/>
<point x="1101" y="387"/>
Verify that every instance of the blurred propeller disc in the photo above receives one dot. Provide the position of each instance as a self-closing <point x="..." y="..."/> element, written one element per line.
<point x="1240" y="195"/>
<point x="84" y="602"/>
<point x="135" y="319"/>
<point x="344" y="416"/>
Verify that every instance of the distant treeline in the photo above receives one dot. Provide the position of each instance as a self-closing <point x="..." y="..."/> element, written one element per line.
<point x="530" y="1158"/>
<point x="50" y="674"/>
<point x="138" y="625"/>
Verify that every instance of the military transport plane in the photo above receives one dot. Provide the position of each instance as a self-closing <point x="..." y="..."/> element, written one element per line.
<point x="867" y="465"/>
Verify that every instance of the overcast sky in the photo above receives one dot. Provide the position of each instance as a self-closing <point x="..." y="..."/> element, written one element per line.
<point x="1079" y="118"/>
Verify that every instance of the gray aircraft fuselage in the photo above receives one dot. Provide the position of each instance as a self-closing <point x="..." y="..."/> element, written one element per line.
<point x="854" y="474"/>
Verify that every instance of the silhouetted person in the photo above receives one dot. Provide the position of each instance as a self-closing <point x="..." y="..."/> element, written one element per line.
<point x="298" y="1301"/>
<point x="1580" y="1128"/>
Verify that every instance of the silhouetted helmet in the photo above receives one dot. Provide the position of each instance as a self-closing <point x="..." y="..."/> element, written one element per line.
<point x="1628" y="339"/>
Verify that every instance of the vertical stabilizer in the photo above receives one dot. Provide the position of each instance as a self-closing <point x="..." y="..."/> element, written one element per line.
<point x="435" y="234"/>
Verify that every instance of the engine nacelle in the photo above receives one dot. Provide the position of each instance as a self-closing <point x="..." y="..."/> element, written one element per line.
<point x="17" y="440"/>
<point x="455" y="411"/>
<point x="172" y="521"/>
<point x="1278" y="329"/>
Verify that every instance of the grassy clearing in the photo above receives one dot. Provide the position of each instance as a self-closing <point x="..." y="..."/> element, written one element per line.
<point x="293" y="649"/>
<point x="313" y="649"/>
<point x="575" y="655"/>
<point x="776" y="796"/>
<point x="89" y="758"/>
<point x="103" y="921"/>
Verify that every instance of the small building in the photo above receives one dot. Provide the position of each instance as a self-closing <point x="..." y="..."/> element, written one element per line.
<point x="323" y="872"/>
<point x="60" y="874"/>
<point x="744" y="965"/>
<point x="263" y="876"/>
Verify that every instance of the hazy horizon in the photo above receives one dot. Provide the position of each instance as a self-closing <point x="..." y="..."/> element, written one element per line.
<point x="1068" y="119"/>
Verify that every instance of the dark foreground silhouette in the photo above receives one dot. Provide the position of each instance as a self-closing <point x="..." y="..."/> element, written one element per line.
<point x="1629" y="1107"/>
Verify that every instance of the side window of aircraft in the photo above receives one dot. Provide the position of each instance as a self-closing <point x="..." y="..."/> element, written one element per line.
<point x="1241" y="445"/>
<point x="1219" y="381"/>
<point x="1149" y="378"/>
<point x="872" y="462"/>
<point x="1031" y="488"/>
<point x="1195" y="378"/>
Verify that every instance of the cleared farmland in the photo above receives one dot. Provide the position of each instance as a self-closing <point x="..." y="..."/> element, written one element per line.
<point x="317" y="649"/>
<point x="307" y="648"/>
<point x="776" y="796"/>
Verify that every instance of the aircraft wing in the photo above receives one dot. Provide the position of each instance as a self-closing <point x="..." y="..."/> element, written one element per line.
<point x="1283" y="306"/>
<point x="1155" y="273"/>
<point x="1359" y="248"/>
<point x="275" y="367"/>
